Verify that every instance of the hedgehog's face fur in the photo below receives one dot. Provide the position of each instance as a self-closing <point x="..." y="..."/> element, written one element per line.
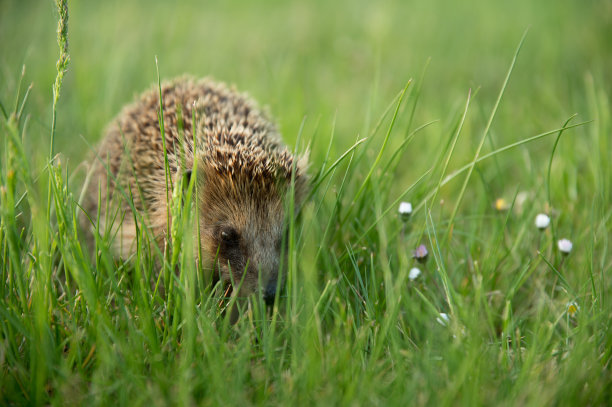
<point x="242" y="201"/>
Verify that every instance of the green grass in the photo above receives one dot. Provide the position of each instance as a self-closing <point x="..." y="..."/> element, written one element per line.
<point x="427" y="102"/>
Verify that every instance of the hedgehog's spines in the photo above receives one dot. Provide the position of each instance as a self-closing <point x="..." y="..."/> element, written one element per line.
<point x="239" y="151"/>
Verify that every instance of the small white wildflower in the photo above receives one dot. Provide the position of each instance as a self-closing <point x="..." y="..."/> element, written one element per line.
<point x="414" y="273"/>
<point x="405" y="210"/>
<point x="542" y="221"/>
<point x="572" y="308"/>
<point x="565" y="246"/>
<point x="443" y="319"/>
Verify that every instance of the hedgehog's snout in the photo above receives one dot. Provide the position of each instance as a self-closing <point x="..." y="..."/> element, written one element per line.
<point x="248" y="260"/>
<point x="268" y="275"/>
<point x="270" y="292"/>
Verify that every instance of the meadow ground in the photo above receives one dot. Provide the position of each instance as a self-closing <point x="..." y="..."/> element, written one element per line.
<point x="428" y="102"/>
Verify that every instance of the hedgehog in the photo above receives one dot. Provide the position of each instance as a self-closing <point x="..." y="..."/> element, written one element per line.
<point x="243" y="177"/>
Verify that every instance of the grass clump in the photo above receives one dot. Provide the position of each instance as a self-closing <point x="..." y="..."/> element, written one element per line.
<point x="500" y="311"/>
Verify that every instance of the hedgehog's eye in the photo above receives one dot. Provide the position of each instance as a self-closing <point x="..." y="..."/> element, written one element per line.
<point x="229" y="237"/>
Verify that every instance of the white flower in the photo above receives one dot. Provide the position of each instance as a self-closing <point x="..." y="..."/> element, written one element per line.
<point x="405" y="209"/>
<point x="572" y="308"/>
<point x="443" y="319"/>
<point x="414" y="273"/>
<point x="565" y="246"/>
<point x="542" y="221"/>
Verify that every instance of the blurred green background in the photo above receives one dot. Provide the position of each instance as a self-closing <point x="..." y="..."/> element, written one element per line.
<point x="316" y="59"/>
<point x="339" y="64"/>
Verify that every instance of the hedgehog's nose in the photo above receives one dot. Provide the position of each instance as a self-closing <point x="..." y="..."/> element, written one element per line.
<point x="269" y="293"/>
